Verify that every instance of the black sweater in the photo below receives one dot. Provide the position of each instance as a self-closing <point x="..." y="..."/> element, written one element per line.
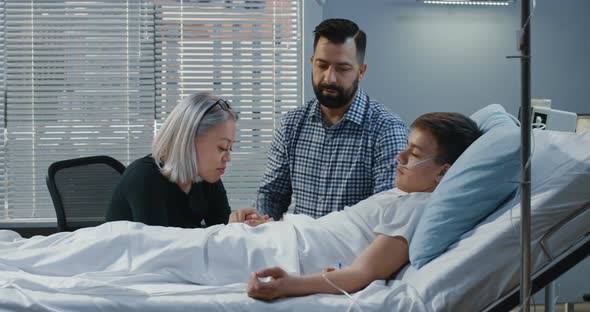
<point x="145" y="195"/>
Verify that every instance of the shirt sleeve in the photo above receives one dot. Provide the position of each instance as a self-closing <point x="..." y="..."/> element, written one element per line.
<point x="392" y="141"/>
<point x="403" y="217"/>
<point x="118" y="208"/>
<point x="218" y="209"/>
<point x="274" y="194"/>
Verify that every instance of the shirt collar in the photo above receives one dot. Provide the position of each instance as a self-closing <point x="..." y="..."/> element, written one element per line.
<point x="355" y="112"/>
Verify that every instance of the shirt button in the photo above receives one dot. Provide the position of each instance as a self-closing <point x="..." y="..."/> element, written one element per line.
<point x="321" y="199"/>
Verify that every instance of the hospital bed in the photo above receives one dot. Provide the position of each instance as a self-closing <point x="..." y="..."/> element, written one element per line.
<point x="479" y="272"/>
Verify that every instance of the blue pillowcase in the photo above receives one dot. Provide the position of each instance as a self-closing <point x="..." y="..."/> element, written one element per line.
<point x="492" y="116"/>
<point x="474" y="186"/>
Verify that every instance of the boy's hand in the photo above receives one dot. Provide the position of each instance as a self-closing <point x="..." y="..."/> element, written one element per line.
<point x="275" y="288"/>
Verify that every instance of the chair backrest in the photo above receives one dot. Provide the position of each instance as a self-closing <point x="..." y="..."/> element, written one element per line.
<point x="81" y="189"/>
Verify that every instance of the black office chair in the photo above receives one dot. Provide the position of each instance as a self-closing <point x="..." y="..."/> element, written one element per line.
<point x="81" y="189"/>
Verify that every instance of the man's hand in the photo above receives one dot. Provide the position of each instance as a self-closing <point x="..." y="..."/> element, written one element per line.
<point x="249" y="216"/>
<point x="275" y="288"/>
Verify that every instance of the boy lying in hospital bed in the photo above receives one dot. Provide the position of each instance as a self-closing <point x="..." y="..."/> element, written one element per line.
<point x="379" y="229"/>
<point x="435" y="142"/>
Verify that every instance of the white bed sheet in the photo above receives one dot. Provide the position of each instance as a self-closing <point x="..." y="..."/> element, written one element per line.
<point x="183" y="297"/>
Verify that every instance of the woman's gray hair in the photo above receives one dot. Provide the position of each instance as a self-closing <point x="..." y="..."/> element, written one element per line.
<point x="173" y="148"/>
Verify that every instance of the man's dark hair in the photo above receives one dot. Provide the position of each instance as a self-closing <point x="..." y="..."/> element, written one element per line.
<point x="453" y="133"/>
<point x="337" y="30"/>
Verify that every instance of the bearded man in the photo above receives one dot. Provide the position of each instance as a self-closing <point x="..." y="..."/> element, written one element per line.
<point x="339" y="148"/>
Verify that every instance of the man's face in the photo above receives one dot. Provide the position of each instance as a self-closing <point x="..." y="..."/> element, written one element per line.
<point x="336" y="72"/>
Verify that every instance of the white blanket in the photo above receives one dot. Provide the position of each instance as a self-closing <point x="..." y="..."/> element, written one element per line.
<point x="130" y="266"/>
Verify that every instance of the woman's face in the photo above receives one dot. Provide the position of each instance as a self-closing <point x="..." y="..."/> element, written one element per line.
<point x="426" y="175"/>
<point x="214" y="149"/>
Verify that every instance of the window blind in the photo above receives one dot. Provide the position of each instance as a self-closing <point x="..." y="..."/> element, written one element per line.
<point x="248" y="52"/>
<point x="81" y="78"/>
<point x="79" y="82"/>
<point x="3" y="208"/>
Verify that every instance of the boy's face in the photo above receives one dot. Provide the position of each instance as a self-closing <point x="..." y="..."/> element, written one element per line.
<point x="424" y="176"/>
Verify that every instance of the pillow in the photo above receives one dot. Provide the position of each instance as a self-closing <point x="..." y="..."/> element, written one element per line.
<point x="474" y="186"/>
<point x="491" y="116"/>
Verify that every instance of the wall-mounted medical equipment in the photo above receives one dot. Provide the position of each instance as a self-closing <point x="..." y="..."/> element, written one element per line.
<point x="552" y="119"/>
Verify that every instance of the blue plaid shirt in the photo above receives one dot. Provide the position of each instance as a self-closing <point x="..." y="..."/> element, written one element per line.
<point x="325" y="168"/>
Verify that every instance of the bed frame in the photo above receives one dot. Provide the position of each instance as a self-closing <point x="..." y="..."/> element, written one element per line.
<point x="576" y="253"/>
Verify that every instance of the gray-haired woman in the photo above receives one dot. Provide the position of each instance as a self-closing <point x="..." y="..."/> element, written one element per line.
<point x="179" y="183"/>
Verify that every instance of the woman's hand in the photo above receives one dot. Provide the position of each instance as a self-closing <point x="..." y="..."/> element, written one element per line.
<point x="256" y="222"/>
<point x="275" y="288"/>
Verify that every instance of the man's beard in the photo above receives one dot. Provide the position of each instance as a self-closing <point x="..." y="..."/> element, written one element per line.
<point x="342" y="97"/>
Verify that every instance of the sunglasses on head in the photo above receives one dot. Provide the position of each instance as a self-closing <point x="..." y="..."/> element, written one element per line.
<point x="223" y="104"/>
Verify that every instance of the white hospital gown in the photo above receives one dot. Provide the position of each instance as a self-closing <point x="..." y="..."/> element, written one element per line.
<point x="341" y="236"/>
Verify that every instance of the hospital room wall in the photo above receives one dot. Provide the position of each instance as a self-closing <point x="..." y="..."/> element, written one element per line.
<point x="424" y="58"/>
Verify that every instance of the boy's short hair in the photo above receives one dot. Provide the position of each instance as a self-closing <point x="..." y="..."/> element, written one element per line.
<point x="453" y="133"/>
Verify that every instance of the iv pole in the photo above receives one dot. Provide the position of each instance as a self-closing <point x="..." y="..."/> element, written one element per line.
<point x="525" y="152"/>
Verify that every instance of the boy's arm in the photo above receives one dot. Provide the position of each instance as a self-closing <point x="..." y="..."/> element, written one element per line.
<point x="382" y="258"/>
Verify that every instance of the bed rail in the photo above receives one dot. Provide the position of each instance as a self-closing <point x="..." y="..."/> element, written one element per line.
<point x="558" y="265"/>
